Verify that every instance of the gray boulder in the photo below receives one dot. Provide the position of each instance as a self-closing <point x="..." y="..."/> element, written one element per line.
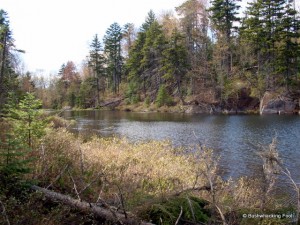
<point x="274" y="103"/>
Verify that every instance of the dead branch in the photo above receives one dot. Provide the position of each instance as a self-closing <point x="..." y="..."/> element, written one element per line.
<point x="99" y="212"/>
<point x="221" y="214"/>
<point x="88" y="185"/>
<point x="122" y="201"/>
<point x="180" y="214"/>
<point x="75" y="186"/>
<point x="296" y="187"/>
<point x="81" y="160"/>
<point x="58" y="176"/>
<point x="191" y="208"/>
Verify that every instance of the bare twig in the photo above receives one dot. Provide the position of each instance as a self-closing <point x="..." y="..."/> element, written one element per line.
<point x="75" y="186"/>
<point x="93" y="181"/>
<point x="122" y="200"/>
<point x="296" y="187"/>
<point x="271" y="167"/>
<point x="105" y="205"/>
<point x="192" y="209"/>
<point x="100" y="193"/>
<point x="81" y="160"/>
<point x="180" y="214"/>
<point x="58" y="176"/>
<point x="221" y="214"/>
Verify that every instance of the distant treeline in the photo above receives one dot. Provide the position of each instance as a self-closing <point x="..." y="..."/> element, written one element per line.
<point x="174" y="56"/>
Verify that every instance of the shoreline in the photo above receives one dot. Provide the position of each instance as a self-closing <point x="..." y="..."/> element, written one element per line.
<point x="175" y="110"/>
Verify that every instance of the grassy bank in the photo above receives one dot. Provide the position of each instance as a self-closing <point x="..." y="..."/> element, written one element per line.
<point x="152" y="180"/>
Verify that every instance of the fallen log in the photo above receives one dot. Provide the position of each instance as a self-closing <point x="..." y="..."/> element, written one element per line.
<point x="100" y="212"/>
<point x="112" y="103"/>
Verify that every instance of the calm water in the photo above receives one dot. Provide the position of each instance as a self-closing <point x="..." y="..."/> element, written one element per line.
<point x="234" y="138"/>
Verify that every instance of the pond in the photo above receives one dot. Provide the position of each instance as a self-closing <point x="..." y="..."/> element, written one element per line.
<point x="237" y="139"/>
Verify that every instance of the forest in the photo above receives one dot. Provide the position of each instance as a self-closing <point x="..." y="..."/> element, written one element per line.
<point x="215" y="58"/>
<point x="203" y="58"/>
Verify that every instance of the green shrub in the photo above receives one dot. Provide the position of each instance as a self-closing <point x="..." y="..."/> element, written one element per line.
<point x="147" y="101"/>
<point x="132" y="93"/>
<point x="167" y="212"/>
<point x="163" y="98"/>
<point x="18" y="143"/>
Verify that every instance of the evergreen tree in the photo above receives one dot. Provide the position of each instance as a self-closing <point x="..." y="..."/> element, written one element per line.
<point x="149" y="20"/>
<point x="223" y="15"/>
<point x="133" y="63"/>
<point x="22" y="137"/>
<point x="86" y="97"/>
<point x="252" y="57"/>
<point x="288" y="49"/>
<point x="175" y="60"/>
<point x="61" y="70"/>
<point x="155" y="43"/>
<point x="163" y="98"/>
<point x="26" y="121"/>
<point x="96" y="63"/>
<point x="112" y="41"/>
<point x="271" y="29"/>
<point x="14" y="164"/>
<point x="195" y="25"/>
<point x="8" y="75"/>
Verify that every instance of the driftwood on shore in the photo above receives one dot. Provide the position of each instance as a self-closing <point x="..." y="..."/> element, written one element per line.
<point x="102" y="212"/>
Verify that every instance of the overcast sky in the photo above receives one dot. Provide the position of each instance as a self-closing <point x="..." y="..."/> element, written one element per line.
<point x="53" y="32"/>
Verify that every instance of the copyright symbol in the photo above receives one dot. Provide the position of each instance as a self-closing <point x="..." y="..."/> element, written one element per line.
<point x="244" y="215"/>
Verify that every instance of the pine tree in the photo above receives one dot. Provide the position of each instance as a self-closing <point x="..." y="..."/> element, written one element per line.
<point x="26" y="129"/>
<point x="26" y="120"/>
<point x="175" y="60"/>
<point x="8" y="75"/>
<point x="223" y="15"/>
<point x="155" y="43"/>
<point x="163" y="98"/>
<point x="149" y="20"/>
<point x="96" y="63"/>
<point x="194" y="26"/>
<point x="112" y="41"/>
<point x="288" y="49"/>
<point x="271" y="29"/>
<point x="133" y="63"/>
<point x="86" y="97"/>
<point x="13" y="163"/>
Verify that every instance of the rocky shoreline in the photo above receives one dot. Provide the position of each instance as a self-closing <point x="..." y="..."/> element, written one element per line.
<point x="271" y="103"/>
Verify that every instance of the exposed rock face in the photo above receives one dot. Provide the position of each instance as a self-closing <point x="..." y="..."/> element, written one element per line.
<point x="273" y="103"/>
<point x="207" y="102"/>
<point x="245" y="102"/>
<point x="199" y="108"/>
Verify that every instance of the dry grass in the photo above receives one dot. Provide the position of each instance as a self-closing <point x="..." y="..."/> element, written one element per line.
<point x="132" y="176"/>
<point x="115" y="168"/>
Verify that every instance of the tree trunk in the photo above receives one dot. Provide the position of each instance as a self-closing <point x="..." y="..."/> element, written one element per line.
<point x="2" y="67"/>
<point x="101" y="212"/>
